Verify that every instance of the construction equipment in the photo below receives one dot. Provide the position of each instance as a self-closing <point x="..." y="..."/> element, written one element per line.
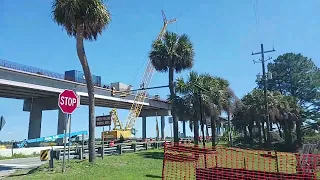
<point x="136" y="107"/>
<point x="47" y="139"/>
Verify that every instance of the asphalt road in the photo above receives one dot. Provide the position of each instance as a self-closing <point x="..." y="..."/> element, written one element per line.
<point x="11" y="165"/>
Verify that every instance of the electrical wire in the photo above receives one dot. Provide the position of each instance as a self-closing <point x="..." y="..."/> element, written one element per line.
<point x="257" y="20"/>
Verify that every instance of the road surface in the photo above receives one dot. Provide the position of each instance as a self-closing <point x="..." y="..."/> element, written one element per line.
<point x="9" y="166"/>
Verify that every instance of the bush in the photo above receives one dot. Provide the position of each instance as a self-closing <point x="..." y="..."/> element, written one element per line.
<point x="312" y="139"/>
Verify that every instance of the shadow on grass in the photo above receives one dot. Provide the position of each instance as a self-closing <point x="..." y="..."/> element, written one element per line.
<point x="23" y="172"/>
<point x="153" y="155"/>
<point x="153" y="176"/>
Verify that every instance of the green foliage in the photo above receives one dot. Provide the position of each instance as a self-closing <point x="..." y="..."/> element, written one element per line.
<point x="284" y="111"/>
<point x="216" y="98"/>
<point x="19" y="155"/>
<point x="311" y="138"/>
<point x="296" y="75"/>
<point x="70" y="14"/>
<point x="175" y="51"/>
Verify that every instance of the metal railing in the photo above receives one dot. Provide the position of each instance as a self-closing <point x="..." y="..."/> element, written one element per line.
<point x="107" y="150"/>
<point x="30" y="69"/>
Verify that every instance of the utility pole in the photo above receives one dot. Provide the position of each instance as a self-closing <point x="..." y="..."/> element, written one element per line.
<point x="264" y="78"/>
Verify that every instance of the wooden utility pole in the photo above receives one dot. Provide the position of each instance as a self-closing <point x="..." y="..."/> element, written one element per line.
<point x="264" y="78"/>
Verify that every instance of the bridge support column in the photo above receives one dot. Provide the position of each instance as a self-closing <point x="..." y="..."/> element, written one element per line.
<point x="62" y="122"/>
<point x="35" y="119"/>
<point x="144" y="127"/>
<point x="163" y="122"/>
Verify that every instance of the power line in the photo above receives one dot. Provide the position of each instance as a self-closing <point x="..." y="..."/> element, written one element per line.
<point x="257" y="20"/>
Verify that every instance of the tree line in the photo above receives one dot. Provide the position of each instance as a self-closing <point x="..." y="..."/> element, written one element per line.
<point x="293" y="96"/>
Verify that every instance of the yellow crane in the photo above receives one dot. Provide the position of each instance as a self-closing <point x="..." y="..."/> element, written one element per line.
<point x="140" y="96"/>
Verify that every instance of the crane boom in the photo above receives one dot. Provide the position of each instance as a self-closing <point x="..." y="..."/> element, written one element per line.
<point x="146" y="79"/>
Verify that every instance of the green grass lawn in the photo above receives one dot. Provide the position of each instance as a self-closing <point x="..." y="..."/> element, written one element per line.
<point x="141" y="165"/>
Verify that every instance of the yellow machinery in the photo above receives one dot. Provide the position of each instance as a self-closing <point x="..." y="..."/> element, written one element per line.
<point x="127" y="131"/>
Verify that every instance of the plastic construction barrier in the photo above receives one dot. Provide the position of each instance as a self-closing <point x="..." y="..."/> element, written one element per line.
<point x="184" y="161"/>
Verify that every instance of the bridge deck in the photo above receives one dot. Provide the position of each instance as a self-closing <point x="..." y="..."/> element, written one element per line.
<point x="24" y="85"/>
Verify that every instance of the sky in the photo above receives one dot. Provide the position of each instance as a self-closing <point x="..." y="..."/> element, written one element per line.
<point x="224" y="34"/>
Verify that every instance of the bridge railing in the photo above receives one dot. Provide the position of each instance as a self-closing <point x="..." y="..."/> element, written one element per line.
<point x="30" y="69"/>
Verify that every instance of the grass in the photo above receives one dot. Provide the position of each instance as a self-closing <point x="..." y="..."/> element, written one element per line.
<point x="141" y="165"/>
<point x="19" y="155"/>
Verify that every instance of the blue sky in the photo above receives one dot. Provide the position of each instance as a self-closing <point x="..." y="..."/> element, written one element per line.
<point x="224" y="34"/>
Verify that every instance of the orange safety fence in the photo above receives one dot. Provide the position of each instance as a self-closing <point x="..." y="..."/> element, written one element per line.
<point x="184" y="161"/>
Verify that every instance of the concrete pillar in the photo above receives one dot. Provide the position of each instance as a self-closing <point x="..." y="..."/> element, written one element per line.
<point x="35" y="119"/>
<point x="62" y="121"/>
<point x="144" y="127"/>
<point x="62" y="118"/>
<point x="163" y="122"/>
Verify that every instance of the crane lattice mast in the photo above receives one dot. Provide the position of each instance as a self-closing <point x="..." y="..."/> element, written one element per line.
<point x="141" y="94"/>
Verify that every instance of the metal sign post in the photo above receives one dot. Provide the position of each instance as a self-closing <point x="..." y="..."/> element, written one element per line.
<point x="69" y="138"/>
<point x="104" y="120"/>
<point x="102" y="146"/>
<point x="64" y="146"/>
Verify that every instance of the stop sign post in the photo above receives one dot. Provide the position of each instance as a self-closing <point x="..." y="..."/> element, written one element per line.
<point x="68" y="102"/>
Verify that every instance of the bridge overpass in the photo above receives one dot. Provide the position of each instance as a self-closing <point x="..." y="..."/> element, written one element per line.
<point x="40" y="92"/>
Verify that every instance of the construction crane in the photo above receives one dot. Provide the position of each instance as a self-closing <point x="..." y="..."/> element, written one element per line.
<point x="137" y="105"/>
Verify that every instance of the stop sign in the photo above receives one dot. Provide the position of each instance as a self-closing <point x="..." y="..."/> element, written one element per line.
<point x="68" y="101"/>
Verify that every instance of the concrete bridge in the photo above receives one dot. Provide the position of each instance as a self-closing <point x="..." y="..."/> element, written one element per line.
<point x="40" y="92"/>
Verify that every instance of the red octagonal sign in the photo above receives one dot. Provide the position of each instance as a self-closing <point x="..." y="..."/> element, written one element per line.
<point x="68" y="101"/>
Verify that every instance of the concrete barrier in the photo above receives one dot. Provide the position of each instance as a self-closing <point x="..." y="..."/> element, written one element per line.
<point x="25" y="151"/>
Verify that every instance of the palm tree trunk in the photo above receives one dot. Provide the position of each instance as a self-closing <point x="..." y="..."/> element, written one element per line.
<point x="174" y="118"/>
<point x="299" y="133"/>
<point x="264" y="132"/>
<point x="207" y="130"/>
<point x="184" y="128"/>
<point x="229" y="129"/>
<point x="90" y="88"/>
<point x="259" y="132"/>
<point x="279" y="129"/>
<point x="213" y="130"/>
<point x="287" y="133"/>
<point x="250" y="127"/>
<point x="196" y="132"/>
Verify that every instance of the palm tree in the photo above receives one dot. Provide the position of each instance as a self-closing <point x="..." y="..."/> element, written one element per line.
<point x="174" y="53"/>
<point x="229" y="103"/>
<point x="220" y="95"/>
<point x="84" y="20"/>
<point x="212" y="99"/>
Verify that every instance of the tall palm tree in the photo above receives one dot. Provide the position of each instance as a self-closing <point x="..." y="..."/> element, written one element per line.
<point x="84" y="20"/>
<point x="173" y="53"/>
